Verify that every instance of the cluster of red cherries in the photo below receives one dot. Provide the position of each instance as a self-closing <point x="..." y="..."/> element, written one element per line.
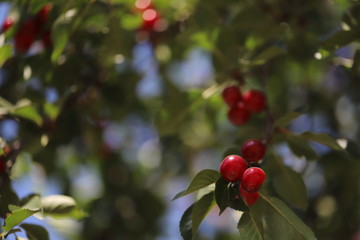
<point x="31" y="29"/>
<point x="243" y="105"/>
<point x="241" y="170"/>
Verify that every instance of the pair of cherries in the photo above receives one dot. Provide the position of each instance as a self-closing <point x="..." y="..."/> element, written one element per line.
<point x="236" y="169"/>
<point x="30" y="29"/>
<point x="243" y="105"/>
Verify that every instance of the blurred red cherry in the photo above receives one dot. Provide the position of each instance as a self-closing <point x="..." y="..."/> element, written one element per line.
<point x="26" y="35"/>
<point x="42" y="15"/>
<point x="9" y="21"/>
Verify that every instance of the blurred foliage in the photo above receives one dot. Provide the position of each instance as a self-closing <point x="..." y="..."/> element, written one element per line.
<point x="137" y="104"/>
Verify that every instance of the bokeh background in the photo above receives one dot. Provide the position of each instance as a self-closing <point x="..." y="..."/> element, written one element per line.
<point x="124" y="107"/>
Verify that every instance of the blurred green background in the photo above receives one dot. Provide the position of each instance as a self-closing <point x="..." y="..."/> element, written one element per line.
<point x="125" y="107"/>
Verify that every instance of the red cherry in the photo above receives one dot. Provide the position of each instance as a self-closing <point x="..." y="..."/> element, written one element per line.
<point x="252" y="179"/>
<point x="26" y="35"/>
<point x="9" y="21"/>
<point x="232" y="168"/>
<point x="150" y="17"/>
<point x="232" y="95"/>
<point x="254" y="101"/>
<point x="42" y="15"/>
<point x="253" y="150"/>
<point x="238" y="114"/>
<point x="249" y="198"/>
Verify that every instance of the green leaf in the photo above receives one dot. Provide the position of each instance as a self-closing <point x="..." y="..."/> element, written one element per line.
<point x="35" y="232"/>
<point x="201" y="209"/>
<point x="17" y="217"/>
<point x="31" y="201"/>
<point x="341" y="39"/>
<point x="206" y="39"/>
<point x="60" y="206"/>
<point x="222" y="194"/>
<point x="201" y="180"/>
<point x="267" y="55"/>
<point x="285" y="180"/>
<point x="286" y="119"/>
<point x="60" y="33"/>
<point x="6" y="234"/>
<point x="60" y="36"/>
<point x="5" y="53"/>
<point x="30" y="113"/>
<point x="57" y="204"/>
<point x="282" y="222"/>
<point x="250" y="227"/>
<point x="322" y="138"/>
<point x="131" y="21"/>
<point x="300" y="146"/>
<point x="235" y="201"/>
<point x="51" y="110"/>
<point x="186" y="223"/>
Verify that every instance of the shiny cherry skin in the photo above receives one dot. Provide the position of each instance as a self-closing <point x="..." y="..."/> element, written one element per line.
<point x="232" y="168"/>
<point x="231" y="95"/>
<point x="253" y="150"/>
<point x="254" y="101"/>
<point x="249" y="198"/>
<point x="238" y="114"/>
<point x="252" y="179"/>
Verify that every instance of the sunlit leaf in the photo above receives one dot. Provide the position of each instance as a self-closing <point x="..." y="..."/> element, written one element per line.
<point x="201" y="180"/>
<point x="5" y="53"/>
<point x="17" y="217"/>
<point x="57" y="204"/>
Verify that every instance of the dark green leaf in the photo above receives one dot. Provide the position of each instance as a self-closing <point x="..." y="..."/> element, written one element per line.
<point x="322" y="138"/>
<point x="235" y="201"/>
<point x="267" y="55"/>
<point x="286" y="119"/>
<point x="17" y="217"/>
<point x="201" y="180"/>
<point x="35" y="232"/>
<point x="341" y="39"/>
<point x="201" y="208"/>
<point x="285" y="180"/>
<point x="222" y="194"/>
<point x="250" y="227"/>
<point x="186" y="224"/>
<point x="282" y="222"/>
<point x="300" y="147"/>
